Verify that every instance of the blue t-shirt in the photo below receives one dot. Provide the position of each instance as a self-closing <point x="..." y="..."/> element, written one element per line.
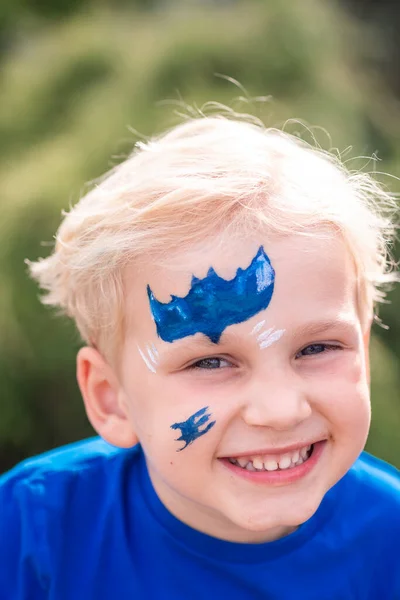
<point x="84" y="523"/>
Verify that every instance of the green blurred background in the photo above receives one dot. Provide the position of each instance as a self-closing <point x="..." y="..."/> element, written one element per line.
<point x="77" y="77"/>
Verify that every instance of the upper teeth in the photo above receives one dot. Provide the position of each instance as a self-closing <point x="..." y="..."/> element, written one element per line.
<point x="273" y="462"/>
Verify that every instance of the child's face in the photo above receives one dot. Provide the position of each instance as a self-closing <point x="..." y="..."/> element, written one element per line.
<point x="291" y="375"/>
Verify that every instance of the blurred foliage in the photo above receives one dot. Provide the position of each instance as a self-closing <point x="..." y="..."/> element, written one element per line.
<point x="75" y="75"/>
<point x="384" y="17"/>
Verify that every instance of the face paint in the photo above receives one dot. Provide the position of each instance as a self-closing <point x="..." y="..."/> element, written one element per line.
<point x="257" y="327"/>
<point x="190" y="429"/>
<point x="151" y="357"/>
<point x="153" y="352"/>
<point x="267" y="337"/>
<point x="270" y="336"/>
<point x="214" y="303"/>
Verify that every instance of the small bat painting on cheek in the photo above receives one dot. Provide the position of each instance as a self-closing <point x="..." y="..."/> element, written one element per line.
<point x="190" y="429"/>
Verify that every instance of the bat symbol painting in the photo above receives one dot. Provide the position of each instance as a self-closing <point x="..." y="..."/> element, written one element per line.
<point x="214" y="303"/>
<point x="190" y="429"/>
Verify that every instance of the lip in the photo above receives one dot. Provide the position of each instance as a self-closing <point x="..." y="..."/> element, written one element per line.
<point x="275" y="451"/>
<point x="283" y="477"/>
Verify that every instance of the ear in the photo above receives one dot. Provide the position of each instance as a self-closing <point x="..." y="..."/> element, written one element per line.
<point x="366" y="338"/>
<point x="103" y="395"/>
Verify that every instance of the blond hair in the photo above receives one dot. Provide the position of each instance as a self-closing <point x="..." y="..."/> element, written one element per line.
<point x="208" y="175"/>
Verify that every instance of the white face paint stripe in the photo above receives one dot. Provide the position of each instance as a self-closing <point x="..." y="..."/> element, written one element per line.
<point x="257" y="327"/>
<point x="265" y="335"/>
<point x="151" y="354"/>
<point x="274" y="337"/>
<point x="155" y="351"/>
<point x="146" y="361"/>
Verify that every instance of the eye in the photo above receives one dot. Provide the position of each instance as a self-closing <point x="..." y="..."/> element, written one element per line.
<point x="211" y="363"/>
<point x="314" y="349"/>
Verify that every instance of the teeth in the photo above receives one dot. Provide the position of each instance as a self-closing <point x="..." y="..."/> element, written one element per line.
<point x="295" y="457"/>
<point x="270" y="464"/>
<point x="304" y="451"/>
<point x="285" y="461"/>
<point x="258" y="463"/>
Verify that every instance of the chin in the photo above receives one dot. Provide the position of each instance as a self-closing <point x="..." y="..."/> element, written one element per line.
<point x="277" y="517"/>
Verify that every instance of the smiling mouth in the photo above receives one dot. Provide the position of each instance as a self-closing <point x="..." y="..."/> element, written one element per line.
<point x="281" y="462"/>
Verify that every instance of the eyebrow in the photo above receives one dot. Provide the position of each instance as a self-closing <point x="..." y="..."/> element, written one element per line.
<point x="318" y="327"/>
<point x="198" y="343"/>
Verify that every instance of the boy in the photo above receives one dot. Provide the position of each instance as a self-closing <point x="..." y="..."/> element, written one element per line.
<point x="224" y="279"/>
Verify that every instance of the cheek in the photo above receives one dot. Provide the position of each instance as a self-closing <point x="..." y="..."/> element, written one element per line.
<point x="352" y="408"/>
<point x="171" y="425"/>
<point x="344" y="399"/>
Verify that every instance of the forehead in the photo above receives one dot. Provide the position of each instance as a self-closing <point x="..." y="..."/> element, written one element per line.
<point x="314" y="277"/>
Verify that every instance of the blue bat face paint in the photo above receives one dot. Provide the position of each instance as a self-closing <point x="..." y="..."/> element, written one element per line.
<point x="190" y="429"/>
<point x="213" y="303"/>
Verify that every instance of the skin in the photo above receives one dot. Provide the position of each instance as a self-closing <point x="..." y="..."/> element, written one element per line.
<point x="310" y="385"/>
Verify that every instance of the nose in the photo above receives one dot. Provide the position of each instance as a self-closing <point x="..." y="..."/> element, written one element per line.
<point x="279" y="405"/>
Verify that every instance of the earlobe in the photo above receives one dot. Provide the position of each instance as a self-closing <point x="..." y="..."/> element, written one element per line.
<point x="102" y="395"/>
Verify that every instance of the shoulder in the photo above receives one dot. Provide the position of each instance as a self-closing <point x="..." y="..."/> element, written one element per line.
<point x="374" y="520"/>
<point x="375" y="479"/>
<point x="48" y="480"/>
<point x="48" y="499"/>
<point x="92" y="457"/>
<point x="364" y="528"/>
<point x="80" y="454"/>
<point x="51" y="479"/>
<point x="370" y="501"/>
